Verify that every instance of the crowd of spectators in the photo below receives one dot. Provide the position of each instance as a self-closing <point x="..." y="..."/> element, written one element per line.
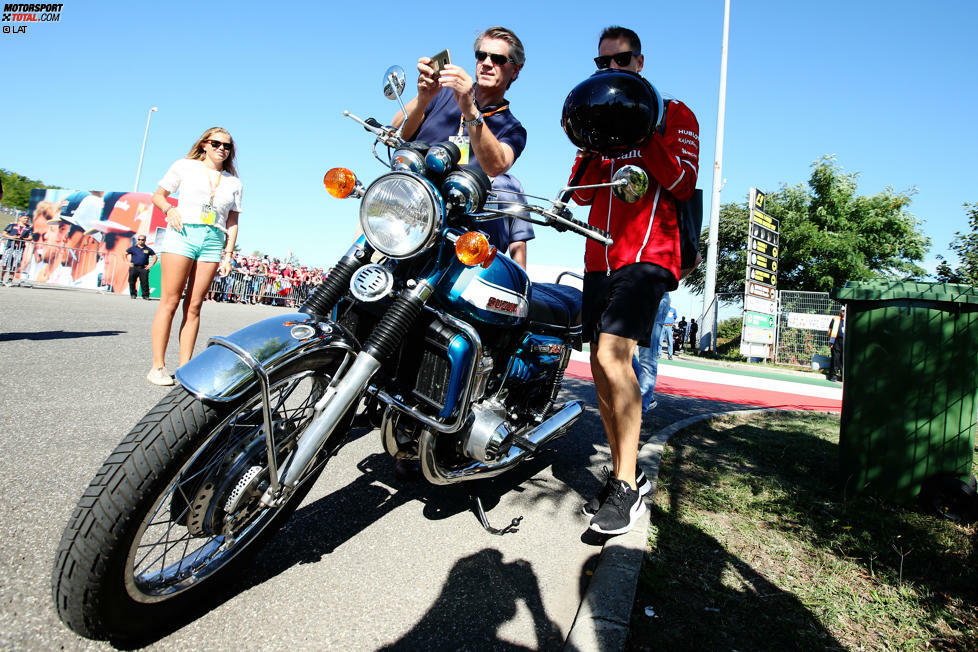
<point x="12" y="212"/>
<point x="266" y="280"/>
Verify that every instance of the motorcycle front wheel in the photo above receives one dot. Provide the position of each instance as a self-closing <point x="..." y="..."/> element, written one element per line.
<point x="177" y="505"/>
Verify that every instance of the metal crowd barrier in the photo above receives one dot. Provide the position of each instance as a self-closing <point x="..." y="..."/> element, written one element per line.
<point x="238" y="287"/>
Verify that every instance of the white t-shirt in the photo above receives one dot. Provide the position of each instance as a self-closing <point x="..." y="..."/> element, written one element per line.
<point x="194" y="180"/>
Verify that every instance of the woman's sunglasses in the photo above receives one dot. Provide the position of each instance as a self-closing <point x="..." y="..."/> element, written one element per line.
<point x="621" y="59"/>
<point x="498" y="59"/>
<point x="216" y="144"/>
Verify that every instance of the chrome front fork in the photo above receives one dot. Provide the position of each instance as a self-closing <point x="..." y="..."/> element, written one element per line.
<point x="339" y="399"/>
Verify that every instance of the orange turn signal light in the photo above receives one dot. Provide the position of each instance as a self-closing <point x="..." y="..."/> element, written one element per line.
<point x="340" y="182"/>
<point x="473" y="248"/>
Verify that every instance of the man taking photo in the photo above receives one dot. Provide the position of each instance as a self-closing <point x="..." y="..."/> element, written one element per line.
<point x="474" y="114"/>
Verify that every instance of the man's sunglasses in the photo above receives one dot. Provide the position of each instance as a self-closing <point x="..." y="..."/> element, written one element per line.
<point x="498" y="59"/>
<point x="621" y="59"/>
<point x="216" y="144"/>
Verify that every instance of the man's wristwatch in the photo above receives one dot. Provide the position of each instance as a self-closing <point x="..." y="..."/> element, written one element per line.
<point x="478" y="120"/>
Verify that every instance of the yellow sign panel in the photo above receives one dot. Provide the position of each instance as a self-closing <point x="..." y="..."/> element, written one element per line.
<point x="765" y="248"/>
<point x="762" y="261"/>
<point x="766" y="220"/>
<point x="762" y="276"/>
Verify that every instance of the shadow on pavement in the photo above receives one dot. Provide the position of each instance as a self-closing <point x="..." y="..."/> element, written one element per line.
<point x="480" y="594"/>
<point x="55" y="335"/>
<point x="319" y="528"/>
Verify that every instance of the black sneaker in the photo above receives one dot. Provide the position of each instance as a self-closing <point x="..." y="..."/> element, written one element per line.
<point x="592" y="506"/>
<point x="619" y="513"/>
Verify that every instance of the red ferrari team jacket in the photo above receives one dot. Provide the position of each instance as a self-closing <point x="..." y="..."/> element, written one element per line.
<point x="645" y="231"/>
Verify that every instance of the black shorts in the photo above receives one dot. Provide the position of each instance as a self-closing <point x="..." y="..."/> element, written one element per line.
<point x="625" y="302"/>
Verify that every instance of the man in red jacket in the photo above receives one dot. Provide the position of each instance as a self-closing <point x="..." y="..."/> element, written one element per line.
<point x="624" y="283"/>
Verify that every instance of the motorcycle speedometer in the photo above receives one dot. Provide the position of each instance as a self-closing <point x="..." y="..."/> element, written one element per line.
<point x="401" y="213"/>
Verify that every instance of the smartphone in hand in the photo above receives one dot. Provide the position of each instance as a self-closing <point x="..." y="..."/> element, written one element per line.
<point x="439" y="61"/>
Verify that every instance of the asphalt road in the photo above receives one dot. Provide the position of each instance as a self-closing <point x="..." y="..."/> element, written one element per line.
<point x="365" y="563"/>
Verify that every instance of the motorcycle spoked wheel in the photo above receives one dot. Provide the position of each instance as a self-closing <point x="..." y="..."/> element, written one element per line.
<point x="175" y="508"/>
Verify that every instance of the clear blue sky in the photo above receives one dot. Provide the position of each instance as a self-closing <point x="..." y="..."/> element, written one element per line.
<point x="890" y="88"/>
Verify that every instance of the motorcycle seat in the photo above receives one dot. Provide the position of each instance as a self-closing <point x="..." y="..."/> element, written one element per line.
<point x="555" y="305"/>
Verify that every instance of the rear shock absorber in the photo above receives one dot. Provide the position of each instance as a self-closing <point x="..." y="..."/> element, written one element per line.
<point x="321" y="300"/>
<point x="558" y="380"/>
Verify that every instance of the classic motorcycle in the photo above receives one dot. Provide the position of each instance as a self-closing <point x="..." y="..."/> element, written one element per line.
<point x="422" y="324"/>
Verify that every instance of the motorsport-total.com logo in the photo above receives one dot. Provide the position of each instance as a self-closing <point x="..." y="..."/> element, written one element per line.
<point x="29" y="13"/>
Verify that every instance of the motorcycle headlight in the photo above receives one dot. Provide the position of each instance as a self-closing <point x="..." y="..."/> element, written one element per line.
<point x="466" y="190"/>
<point x="442" y="157"/>
<point x="400" y="214"/>
<point x="410" y="157"/>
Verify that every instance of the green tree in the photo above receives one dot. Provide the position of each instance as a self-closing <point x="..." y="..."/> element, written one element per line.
<point x="829" y="235"/>
<point x="965" y="246"/>
<point x="17" y="189"/>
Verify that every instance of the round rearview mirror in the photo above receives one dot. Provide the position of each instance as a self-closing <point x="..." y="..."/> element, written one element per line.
<point x="394" y="82"/>
<point x="632" y="183"/>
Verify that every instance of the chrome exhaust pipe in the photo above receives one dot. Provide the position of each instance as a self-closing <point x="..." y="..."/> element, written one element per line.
<point x="543" y="434"/>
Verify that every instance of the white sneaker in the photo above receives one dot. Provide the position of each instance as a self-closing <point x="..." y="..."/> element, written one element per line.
<point x="159" y="376"/>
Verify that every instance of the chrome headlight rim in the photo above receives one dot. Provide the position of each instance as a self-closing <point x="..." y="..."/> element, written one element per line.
<point x="433" y="227"/>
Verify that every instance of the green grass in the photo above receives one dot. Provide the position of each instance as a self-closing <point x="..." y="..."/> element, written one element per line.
<point x="754" y="546"/>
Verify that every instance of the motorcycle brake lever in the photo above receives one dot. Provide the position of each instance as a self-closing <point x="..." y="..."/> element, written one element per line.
<point x="564" y="214"/>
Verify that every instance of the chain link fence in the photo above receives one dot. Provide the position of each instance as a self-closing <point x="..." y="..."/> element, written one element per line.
<point x="803" y="323"/>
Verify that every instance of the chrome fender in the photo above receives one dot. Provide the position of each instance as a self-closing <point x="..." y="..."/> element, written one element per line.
<point x="231" y="365"/>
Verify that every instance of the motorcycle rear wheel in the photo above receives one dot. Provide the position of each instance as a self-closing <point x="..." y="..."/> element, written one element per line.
<point x="174" y="509"/>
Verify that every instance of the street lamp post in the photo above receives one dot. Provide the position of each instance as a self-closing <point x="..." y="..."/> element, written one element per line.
<point x="708" y="319"/>
<point x="139" y="168"/>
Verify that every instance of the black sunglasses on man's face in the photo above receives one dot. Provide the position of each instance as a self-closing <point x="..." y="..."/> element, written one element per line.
<point x="621" y="59"/>
<point x="498" y="59"/>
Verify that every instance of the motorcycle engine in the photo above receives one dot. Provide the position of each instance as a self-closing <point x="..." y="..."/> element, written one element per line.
<point x="489" y="430"/>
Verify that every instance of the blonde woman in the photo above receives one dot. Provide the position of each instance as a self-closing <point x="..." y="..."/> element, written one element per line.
<point x="200" y="236"/>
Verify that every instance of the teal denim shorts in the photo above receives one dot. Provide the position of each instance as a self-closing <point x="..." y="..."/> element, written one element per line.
<point x="201" y="242"/>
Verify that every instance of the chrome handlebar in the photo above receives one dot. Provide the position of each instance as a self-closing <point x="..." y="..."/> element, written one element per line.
<point x="557" y="216"/>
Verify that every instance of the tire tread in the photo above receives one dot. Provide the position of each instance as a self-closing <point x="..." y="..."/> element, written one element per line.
<point x="102" y="512"/>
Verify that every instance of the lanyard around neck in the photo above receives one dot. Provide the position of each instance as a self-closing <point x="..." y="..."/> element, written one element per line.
<point x="487" y="114"/>
<point x="213" y="185"/>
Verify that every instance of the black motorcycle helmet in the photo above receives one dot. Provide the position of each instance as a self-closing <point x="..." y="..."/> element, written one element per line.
<point x="611" y="112"/>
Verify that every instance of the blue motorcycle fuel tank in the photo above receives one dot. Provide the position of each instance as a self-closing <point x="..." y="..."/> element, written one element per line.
<point x="497" y="295"/>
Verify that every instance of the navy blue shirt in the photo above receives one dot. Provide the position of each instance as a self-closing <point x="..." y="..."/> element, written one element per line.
<point x="15" y="230"/>
<point x="442" y="119"/>
<point x="140" y="255"/>
<point x="506" y="230"/>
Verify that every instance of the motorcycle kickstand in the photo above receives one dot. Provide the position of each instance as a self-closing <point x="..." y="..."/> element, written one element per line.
<point x="484" y="520"/>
